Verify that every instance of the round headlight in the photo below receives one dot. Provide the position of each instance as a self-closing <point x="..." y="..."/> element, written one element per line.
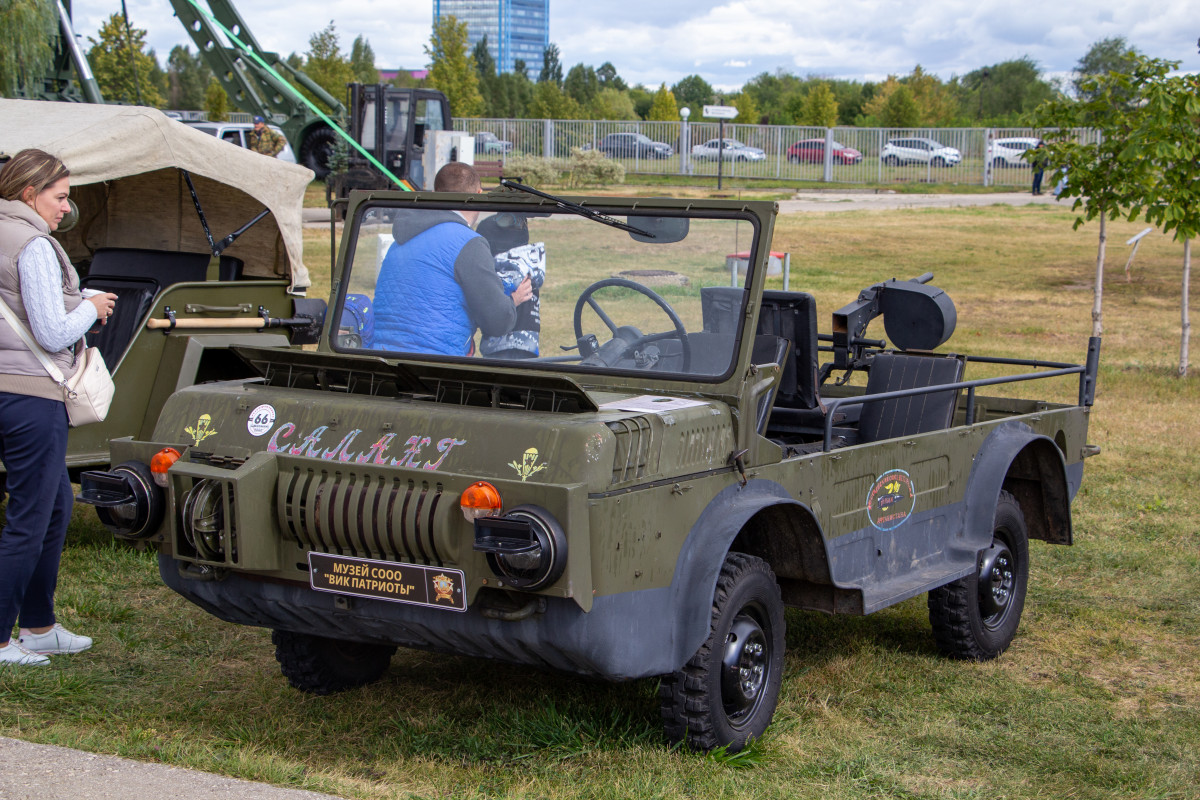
<point x="540" y="565"/>
<point x="141" y="517"/>
<point x="204" y="519"/>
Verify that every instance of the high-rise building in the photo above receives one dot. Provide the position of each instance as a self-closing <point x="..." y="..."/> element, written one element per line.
<point x="515" y="29"/>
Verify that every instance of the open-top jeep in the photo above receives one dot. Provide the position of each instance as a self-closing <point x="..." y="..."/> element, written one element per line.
<point x="680" y="460"/>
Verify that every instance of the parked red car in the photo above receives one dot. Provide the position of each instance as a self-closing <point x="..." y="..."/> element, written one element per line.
<point x="813" y="151"/>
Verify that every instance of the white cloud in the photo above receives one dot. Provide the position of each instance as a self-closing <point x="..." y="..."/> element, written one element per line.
<point x="666" y="40"/>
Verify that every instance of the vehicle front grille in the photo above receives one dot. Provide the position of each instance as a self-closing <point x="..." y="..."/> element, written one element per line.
<point x="392" y="519"/>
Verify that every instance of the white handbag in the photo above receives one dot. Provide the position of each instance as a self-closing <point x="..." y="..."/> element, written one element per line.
<point x="88" y="393"/>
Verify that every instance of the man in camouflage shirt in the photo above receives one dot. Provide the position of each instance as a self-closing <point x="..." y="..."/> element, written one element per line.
<point x="264" y="140"/>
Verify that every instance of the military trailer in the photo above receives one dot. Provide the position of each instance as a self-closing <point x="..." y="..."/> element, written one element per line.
<point x="202" y="237"/>
<point x="679" y="455"/>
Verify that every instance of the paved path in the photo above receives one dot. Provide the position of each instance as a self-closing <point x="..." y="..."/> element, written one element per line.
<point x="881" y="201"/>
<point x="46" y="772"/>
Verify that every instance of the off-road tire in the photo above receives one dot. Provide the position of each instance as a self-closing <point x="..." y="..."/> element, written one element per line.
<point x="696" y="705"/>
<point x="965" y="623"/>
<point x="317" y="665"/>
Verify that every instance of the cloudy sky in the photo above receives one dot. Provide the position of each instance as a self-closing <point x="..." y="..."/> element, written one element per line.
<point x="727" y="43"/>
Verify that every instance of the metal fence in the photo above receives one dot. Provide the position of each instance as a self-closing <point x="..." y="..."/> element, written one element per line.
<point x="845" y="155"/>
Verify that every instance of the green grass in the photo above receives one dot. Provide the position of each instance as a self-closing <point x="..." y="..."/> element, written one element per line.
<point x="1099" y="696"/>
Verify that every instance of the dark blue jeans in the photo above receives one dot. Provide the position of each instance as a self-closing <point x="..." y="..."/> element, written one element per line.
<point x="33" y="447"/>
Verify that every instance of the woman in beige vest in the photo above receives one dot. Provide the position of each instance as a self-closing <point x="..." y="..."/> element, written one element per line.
<point x="41" y="288"/>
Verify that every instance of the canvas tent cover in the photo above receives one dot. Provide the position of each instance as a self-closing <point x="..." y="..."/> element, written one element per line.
<point x="125" y="164"/>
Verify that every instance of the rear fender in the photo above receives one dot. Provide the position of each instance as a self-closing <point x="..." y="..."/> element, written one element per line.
<point x="1029" y="466"/>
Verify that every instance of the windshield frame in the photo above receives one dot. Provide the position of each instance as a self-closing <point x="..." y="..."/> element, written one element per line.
<point x="613" y="378"/>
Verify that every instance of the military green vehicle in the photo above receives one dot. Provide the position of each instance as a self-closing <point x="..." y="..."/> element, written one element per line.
<point x="199" y="238"/>
<point x="677" y="457"/>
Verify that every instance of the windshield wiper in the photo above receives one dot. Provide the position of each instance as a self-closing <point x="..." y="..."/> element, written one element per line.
<point x="575" y="208"/>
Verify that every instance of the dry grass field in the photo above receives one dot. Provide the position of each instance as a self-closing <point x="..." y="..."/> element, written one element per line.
<point x="1099" y="696"/>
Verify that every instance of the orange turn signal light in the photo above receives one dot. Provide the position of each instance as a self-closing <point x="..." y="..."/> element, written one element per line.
<point x="162" y="462"/>
<point x="480" y="499"/>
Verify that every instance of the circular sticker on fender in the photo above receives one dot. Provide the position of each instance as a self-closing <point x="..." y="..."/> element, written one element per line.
<point x="891" y="500"/>
<point x="261" y="420"/>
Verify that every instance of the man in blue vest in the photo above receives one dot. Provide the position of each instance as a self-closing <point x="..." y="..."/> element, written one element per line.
<point x="438" y="282"/>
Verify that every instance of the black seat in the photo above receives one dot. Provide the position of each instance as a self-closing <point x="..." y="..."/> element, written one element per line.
<point x="135" y="277"/>
<point x="793" y="315"/>
<point x="905" y="416"/>
<point x="164" y="267"/>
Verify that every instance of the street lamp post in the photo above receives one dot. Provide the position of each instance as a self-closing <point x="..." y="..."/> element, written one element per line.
<point x="685" y="148"/>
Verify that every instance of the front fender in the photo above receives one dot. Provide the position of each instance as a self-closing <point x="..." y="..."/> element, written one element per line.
<point x="690" y="595"/>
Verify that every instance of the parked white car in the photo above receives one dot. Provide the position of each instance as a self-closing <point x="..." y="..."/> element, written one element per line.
<point x="733" y="151"/>
<point x="919" y="150"/>
<point x="1009" y="152"/>
<point x="235" y="133"/>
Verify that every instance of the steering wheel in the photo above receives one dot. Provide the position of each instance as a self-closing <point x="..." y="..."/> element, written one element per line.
<point x="628" y="340"/>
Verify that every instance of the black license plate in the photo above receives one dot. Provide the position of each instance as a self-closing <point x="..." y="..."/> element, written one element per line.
<point x="417" y="584"/>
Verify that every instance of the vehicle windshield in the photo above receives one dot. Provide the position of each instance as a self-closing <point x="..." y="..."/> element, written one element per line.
<point x="663" y="297"/>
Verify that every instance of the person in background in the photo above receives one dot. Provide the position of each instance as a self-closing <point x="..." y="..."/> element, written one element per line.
<point x="41" y="288"/>
<point x="516" y="260"/>
<point x="264" y="140"/>
<point x="438" y="282"/>
<point x="1039" y="165"/>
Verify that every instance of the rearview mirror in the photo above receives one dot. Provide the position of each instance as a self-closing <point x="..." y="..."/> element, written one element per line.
<point x="659" y="230"/>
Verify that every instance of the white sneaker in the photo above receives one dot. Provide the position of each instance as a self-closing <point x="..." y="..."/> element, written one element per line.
<point x="13" y="653"/>
<point x="56" y="641"/>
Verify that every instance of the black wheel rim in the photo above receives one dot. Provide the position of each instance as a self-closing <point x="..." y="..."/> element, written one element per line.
<point x="745" y="667"/>
<point x="997" y="583"/>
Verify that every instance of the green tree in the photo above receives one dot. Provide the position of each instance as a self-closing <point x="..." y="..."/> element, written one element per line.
<point x="612" y="104"/>
<point x="606" y="73"/>
<point x="1002" y="93"/>
<point x="520" y="67"/>
<point x="820" y="107"/>
<point x="582" y="85"/>
<point x="27" y="31"/>
<point x="451" y="68"/>
<point x="326" y="64"/>
<point x="1166" y="137"/>
<point x="362" y="61"/>
<point x="552" y="71"/>
<point x="513" y="94"/>
<point x="693" y="92"/>
<point x="936" y="106"/>
<point x="188" y="76"/>
<point x="123" y="70"/>
<point x="747" y="108"/>
<point x="900" y="109"/>
<point x="489" y="85"/>
<point x="216" y="102"/>
<point x="551" y="102"/>
<point x="774" y="93"/>
<point x="664" y="108"/>
<point x="1107" y="55"/>
<point x="642" y="99"/>
<point x="1107" y="176"/>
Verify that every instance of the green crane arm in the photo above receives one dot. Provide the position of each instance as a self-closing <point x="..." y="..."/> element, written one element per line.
<point x="252" y="88"/>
